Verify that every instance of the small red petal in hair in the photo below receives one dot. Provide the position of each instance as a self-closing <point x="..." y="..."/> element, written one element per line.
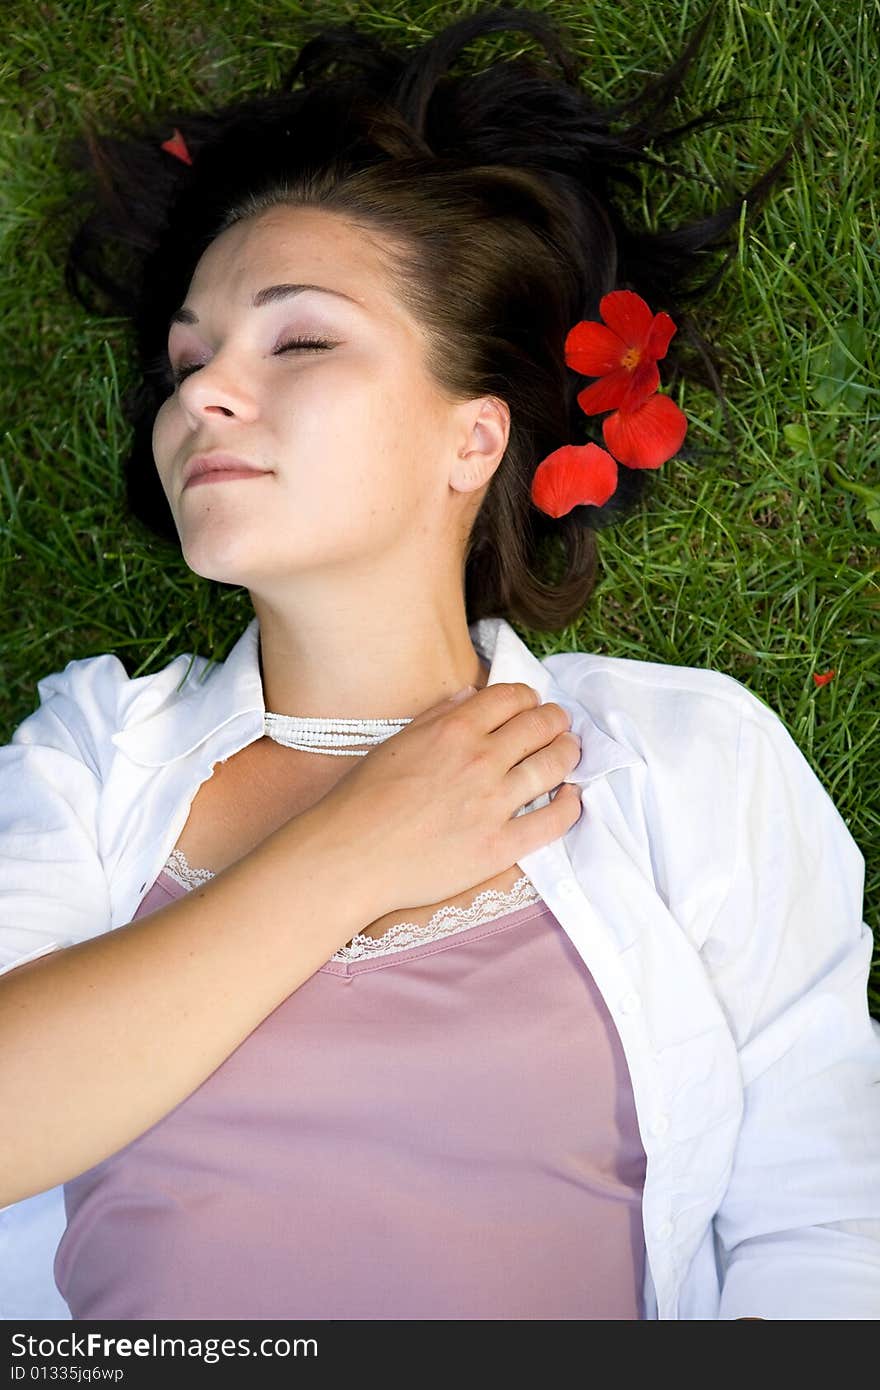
<point x="628" y="316"/>
<point x="177" y="146"/>
<point x="662" y="332"/>
<point x="575" y="475"/>
<point x="643" y="382"/>
<point x="593" y="350"/>
<point x="646" y="437"/>
<point x="608" y="393"/>
<point x="824" y="679"/>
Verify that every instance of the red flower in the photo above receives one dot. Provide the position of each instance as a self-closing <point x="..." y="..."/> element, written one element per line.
<point x="624" y="354"/>
<point x="177" y="146"/>
<point x="648" y="436"/>
<point x="824" y="679"/>
<point x="645" y="428"/>
<point x="575" y="475"/>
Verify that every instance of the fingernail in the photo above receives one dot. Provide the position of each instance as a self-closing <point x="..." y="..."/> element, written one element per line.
<point x="463" y="693"/>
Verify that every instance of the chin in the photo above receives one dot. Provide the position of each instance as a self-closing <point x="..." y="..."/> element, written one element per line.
<point x="225" y="565"/>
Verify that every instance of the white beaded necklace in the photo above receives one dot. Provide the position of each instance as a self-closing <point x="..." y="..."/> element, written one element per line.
<point x="311" y="734"/>
<point x="334" y="736"/>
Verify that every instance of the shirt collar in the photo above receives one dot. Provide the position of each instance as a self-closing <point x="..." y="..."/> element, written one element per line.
<point x="179" y="714"/>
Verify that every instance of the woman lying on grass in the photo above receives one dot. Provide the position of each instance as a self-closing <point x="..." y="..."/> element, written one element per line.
<point x="388" y="969"/>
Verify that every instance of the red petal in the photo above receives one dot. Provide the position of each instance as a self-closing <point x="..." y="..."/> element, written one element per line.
<point x="823" y="680"/>
<point x="592" y="349"/>
<point x="575" y="475"/>
<point x="660" y="336"/>
<point x="608" y="393"/>
<point x="628" y="316"/>
<point x="177" y="146"/>
<point x="646" y="437"/>
<point x="643" y="382"/>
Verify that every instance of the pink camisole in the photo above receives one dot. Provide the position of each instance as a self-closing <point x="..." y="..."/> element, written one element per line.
<point x="438" y="1124"/>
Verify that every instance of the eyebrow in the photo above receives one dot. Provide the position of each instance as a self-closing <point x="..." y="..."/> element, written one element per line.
<point x="271" y="294"/>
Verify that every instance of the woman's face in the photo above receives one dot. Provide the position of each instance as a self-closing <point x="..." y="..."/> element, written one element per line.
<point x="353" y="439"/>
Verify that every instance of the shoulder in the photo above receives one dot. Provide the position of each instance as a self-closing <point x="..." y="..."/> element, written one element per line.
<point x="624" y="675"/>
<point x="60" y="834"/>
<point x="708" y="741"/>
<point x="699" y="719"/>
<point x="665" y="712"/>
<point x="84" y="703"/>
<point x="718" y="785"/>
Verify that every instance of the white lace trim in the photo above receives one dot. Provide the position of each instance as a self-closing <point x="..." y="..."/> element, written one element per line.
<point x="177" y="867"/>
<point x="486" y="907"/>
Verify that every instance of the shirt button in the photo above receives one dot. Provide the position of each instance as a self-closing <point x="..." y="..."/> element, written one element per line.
<point x="664" y="1231"/>
<point x="660" y="1125"/>
<point x="567" y="888"/>
<point x="630" y="1003"/>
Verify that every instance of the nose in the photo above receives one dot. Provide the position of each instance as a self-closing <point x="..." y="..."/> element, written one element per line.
<point x="212" y="391"/>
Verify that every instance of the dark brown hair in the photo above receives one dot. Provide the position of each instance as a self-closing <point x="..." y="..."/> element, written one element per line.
<point x="494" y="196"/>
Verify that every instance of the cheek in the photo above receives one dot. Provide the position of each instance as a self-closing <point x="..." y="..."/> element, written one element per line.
<point x="388" y="414"/>
<point x="159" y="427"/>
<point x="162" y="436"/>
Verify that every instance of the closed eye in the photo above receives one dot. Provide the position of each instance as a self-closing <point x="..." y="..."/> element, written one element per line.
<point x="180" y="373"/>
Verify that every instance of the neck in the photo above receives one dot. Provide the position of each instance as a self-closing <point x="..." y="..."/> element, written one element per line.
<point x="363" y="664"/>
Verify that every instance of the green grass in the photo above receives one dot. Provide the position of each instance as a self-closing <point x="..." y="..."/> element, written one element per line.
<point x="763" y="565"/>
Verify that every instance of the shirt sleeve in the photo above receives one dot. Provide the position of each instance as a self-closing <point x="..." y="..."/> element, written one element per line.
<point x="53" y="888"/>
<point x="798" y="1230"/>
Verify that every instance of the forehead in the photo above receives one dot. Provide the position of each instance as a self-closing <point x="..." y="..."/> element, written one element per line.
<point x="301" y="245"/>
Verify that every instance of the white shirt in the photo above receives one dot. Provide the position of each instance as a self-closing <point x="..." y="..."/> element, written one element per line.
<point x="710" y="886"/>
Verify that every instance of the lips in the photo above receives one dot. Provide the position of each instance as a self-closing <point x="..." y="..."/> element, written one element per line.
<point x="217" y="463"/>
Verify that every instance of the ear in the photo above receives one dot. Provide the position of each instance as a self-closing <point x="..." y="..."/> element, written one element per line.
<point x="485" y="433"/>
